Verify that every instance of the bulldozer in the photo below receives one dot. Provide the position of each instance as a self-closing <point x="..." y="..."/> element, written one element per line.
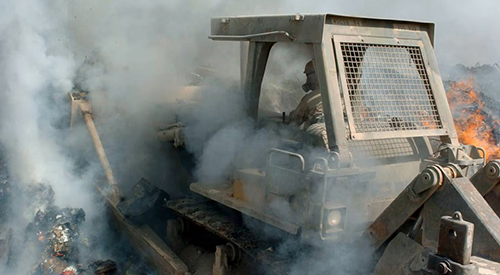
<point x="392" y="175"/>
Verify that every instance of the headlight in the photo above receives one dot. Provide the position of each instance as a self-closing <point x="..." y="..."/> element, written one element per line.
<point x="334" y="218"/>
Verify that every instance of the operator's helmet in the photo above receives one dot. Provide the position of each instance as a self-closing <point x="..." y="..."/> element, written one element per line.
<point x="309" y="68"/>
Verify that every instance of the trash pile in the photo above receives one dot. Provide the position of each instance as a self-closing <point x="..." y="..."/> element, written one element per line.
<point x="55" y="234"/>
<point x="55" y="242"/>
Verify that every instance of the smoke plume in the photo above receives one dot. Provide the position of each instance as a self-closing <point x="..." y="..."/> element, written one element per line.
<point x="132" y="57"/>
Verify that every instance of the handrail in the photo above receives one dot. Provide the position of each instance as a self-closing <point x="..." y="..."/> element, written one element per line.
<point x="295" y="155"/>
<point x="250" y="36"/>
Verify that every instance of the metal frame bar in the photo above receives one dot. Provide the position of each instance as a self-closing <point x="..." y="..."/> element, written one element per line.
<point x="324" y="58"/>
<point x="439" y="92"/>
<point x="291" y="154"/>
<point x="400" y="134"/>
<point x="258" y="54"/>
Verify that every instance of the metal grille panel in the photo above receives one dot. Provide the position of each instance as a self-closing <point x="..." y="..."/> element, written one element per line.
<point x="388" y="87"/>
<point x="383" y="148"/>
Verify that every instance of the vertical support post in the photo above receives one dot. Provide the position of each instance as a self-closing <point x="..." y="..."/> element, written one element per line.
<point x="243" y="62"/>
<point x="439" y="92"/>
<point x="258" y="53"/>
<point x="326" y="70"/>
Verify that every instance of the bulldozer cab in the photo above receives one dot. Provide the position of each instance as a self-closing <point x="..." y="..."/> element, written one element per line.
<point x="382" y="98"/>
<point x="378" y="78"/>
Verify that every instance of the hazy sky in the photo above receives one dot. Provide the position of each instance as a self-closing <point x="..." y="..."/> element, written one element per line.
<point x="466" y="31"/>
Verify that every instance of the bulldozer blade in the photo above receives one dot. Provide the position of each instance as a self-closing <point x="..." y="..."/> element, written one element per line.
<point x="146" y="242"/>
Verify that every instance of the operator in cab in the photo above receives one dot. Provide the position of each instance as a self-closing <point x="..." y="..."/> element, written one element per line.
<point x="309" y="113"/>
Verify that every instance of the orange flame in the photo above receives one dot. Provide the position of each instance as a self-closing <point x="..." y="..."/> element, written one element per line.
<point x="473" y="124"/>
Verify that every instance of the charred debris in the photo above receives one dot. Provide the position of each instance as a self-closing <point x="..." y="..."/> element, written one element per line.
<point x="56" y="239"/>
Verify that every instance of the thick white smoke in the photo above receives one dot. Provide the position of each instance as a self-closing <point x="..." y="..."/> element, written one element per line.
<point x="132" y="55"/>
<point x="37" y="70"/>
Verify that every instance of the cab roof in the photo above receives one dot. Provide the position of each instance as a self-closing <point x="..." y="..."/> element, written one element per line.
<point x="306" y="28"/>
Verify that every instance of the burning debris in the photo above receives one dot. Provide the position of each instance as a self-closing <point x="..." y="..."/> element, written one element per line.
<point x="55" y="234"/>
<point x="57" y="230"/>
<point x="476" y="116"/>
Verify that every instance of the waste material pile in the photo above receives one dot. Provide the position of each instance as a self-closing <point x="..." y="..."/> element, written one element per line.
<point x="475" y="113"/>
<point x="58" y="241"/>
<point x="37" y="237"/>
<point x="55" y="234"/>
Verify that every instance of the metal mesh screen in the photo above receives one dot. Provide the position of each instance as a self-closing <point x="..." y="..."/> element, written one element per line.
<point x="388" y="87"/>
<point x="383" y="148"/>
